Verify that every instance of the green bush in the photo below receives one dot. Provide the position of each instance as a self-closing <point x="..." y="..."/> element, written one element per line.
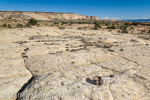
<point x="33" y="21"/>
<point x="38" y="25"/>
<point x="19" y="25"/>
<point x="109" y="30"/>
<point x="79" y="28"/>
<point x="9" y="26"/>
<point x="124" y="30"/>
<point x="135" y="23"/>
<point x="127" y="23"/>
<point x="56" y="23"/>
<point x="4" y="25"/>
<point x="64" y="23"/>
<point x="107" y="24"/>
<point x="28" y="25"/>
<point x="111" y="27"/>
<point x="61" y="27"/>
<point x="98" y="25"/>
<point x="132" y="28"/>
<point x="95" y="28"/>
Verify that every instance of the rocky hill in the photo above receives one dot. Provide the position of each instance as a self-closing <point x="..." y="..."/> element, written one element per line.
<point x="17" y="15"/>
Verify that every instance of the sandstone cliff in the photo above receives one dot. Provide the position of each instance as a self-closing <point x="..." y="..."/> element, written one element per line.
<point x="17" y="15"/>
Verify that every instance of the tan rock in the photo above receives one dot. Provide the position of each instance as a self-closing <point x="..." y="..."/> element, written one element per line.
<point x="64" y="63"/>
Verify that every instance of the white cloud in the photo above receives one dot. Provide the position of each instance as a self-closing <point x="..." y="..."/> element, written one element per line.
<point x="110" y="18"/>
<point x="115" y="18"/>
<point x="144" y="18"/>
<point x="105" y="17"/>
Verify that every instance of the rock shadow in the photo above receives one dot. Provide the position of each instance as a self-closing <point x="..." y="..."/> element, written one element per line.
<point x="89" y="81"/>
<point x="23" y="87"/>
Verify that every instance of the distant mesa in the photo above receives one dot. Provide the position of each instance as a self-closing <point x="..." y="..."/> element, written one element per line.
<point x="18" y="15"/>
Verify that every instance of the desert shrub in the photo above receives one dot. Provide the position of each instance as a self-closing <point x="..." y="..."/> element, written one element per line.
<point x="107" y="24"/>
<point x="135" y="23"/>
<point x="9" y="26"/>
<point x="127" y="23"/>
<point x="9" y="17"/>
<point x="98" y="25"/>
<point x="118" y="31"/>
<point x="95" y="28"/>
<point x="64" y="23"/>
<point x="149" y="31"/>
<point x="111" y="27"/>
<point x="148" y="24"/>
<point x="4" y="25"/>
<point x="38" y="25"/>
<point x="79" y="28"/>
<point x="19" y="25"/>
<point x="143" y="31"/>
<point x="121" y="26"/>
<point x="83" y="22"/>
<point x="109" y="30"/>
<point x="61" y="27"/>
<point x="33" y="21"/>
<point x="27" y="25"/>
<point x="131" y="27"/>
<point x="124" y="30"/>
<point x="56" y="23"/>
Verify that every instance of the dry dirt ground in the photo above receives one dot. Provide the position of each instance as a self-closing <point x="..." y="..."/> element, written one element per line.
<point x="55" y="64"/>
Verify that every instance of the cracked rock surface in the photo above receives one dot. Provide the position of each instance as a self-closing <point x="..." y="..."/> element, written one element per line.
<point x="64" y="62"/>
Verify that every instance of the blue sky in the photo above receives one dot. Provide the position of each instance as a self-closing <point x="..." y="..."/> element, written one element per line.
<point x="123" y="9"/>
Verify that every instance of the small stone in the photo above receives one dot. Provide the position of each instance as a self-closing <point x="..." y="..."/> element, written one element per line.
<point x="121" y="49"/>
<point x="101" y="82"/>
<point x="96" y="82"/>
<point x="111" y="76"/>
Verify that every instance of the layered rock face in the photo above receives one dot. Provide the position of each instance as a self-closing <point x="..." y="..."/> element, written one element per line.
<point x="64" y="62"/>
<point x="43" y="16"/>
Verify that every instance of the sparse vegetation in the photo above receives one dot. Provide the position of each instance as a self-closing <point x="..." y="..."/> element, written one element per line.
<point x="9" y="26"/>
<point x="38" y="25"/>
<point x="27" y="25"/>
<point x="127" y="23"/>
<point x="135" y="23"/>
<point x="33" y="21"/>
<point x="143" y="31"/>
<point x="124" y="30"/>
<point x="19" y="25"/>
<point x="97" y="25"/>
<point x="95" y="28"/>
<point x="107" y="24"/>
<point x="56" y="23"/>
<point x="64" y="23"/>
<point x="119" y="26"/>
<point x="4" y="25"/>
<point x="79" y="28"/>
<point x="131" y="28"/>
<point x="61" y="27"/>
<point x="112" y="27"/>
